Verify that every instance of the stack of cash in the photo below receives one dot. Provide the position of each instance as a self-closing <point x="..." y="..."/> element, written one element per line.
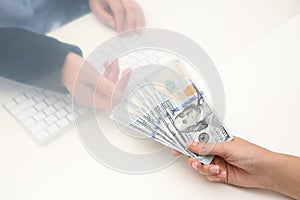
<point x="165" y="104"/>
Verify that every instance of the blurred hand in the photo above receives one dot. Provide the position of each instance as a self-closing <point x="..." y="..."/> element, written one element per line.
<point x="88" y="86"/>
<point x="119" y="14"/>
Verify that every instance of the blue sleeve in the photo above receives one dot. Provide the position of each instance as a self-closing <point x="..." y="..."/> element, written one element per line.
<point x="32" y="58"/>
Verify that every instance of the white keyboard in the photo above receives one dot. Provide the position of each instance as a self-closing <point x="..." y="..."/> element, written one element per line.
<point x="44" y="114"/>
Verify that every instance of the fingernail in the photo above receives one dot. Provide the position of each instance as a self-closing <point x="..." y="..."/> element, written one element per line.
<point x="222" y="174"/>
<point x="191" y="144"/>
<point x="195" y="165"/>
<point x="214" y="169"/>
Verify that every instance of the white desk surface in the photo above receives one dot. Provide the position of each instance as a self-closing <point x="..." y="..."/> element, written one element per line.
<point x="262" y="95"/>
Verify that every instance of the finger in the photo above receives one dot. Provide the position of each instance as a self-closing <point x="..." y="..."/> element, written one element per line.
<point x="220" y="148"/>
<point x="121" y="86"/>
<point x="119" y="15"/>
<point x="176" y="153"/>
<point x="107" y="69"/>
<point x="140" y="17"/>
<point x="105" y="87"/>
<point x="125" y="77"/>
<point x="112" y="71"/>
<point x="130" y="13"/>
<point x="203" y="169"/>
<point x="100" y="11"/>
<point x="221" y="177"/>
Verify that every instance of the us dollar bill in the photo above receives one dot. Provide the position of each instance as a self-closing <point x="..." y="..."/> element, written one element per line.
<point x="190" y="120"/>
<point x="129" y="115"/>
<point x="166" y="105"/>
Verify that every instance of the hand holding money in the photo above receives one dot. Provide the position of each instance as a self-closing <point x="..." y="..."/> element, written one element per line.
<point x="163" y="103"/>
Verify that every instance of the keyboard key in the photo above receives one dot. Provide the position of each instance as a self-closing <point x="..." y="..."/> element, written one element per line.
<point x="73" y="116"/>
<point x="49" y="110"/>
<point x="70" y="117"/>
<point x="51" y="119"/>
<point x="161" y="54"/>
<point x="26" y="114"/>
<point x="132" y="62"/>
<point x="143" y="62"/>
<point x="68" y="101"/>
<point x="42" y="135"/>
<point x="21" y="98"/>
<point x="152" y="60"/>
<point x="76" y="115"/>
<point x="21" y="107"/>
<point x="10" y="104"/>
<point x="40" y="106"/>
<point x="63" y="122"/>
<point x="61" y="113"/>
<point x="59" y="105"/>
<point x="39" y="116"/>
<point x="60" y="96"/>
<point x="53" y="128"/>
<point x="75" y="106"/>
<point x="51" y="100"/>
<point x="29" y="122"/>
<point x="69" y="108"/>
<point x="39" y="97"/>
<point x="149" y="52"/>
<point x="31" y="93"/>
<point x="38" y="127"/>
<point x="140" y="56"/>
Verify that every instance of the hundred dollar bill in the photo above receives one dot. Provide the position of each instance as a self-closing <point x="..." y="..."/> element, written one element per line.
<point x="140" y="127"/>
<point x="153" y="114"/>
<point x="192" y="120"/>
<point x="156" y="118"/>
<point x="130" y="114"/>
<point x="187" y="109"/>
<point x="165" y="117"/>
<point x="166" y="104"/>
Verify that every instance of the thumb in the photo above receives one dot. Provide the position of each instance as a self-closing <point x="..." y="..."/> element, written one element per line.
<point x="222" y="149"/>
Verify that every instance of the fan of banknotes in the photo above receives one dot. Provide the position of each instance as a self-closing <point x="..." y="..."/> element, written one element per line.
<point x="165" y="104"/>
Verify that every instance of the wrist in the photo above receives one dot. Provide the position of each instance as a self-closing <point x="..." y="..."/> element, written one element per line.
<point x="70" y="69"/>
<point x="268" y="168"/>
<point x="284" y="175"/>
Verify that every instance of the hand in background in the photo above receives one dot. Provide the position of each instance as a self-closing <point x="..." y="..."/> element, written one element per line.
<point x="118" y="14"/>
<point x="88" y="86"/>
